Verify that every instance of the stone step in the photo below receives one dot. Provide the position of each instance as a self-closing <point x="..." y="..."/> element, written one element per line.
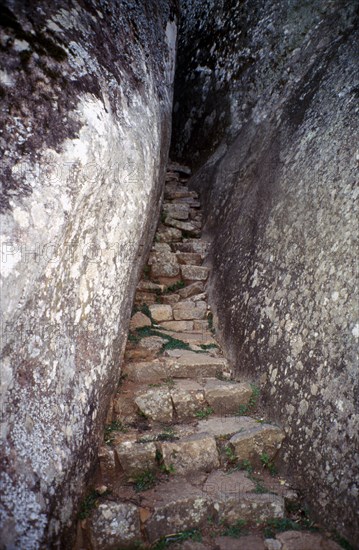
<point x="192" y="273"/>
<point x="192" y="245"/>
<point x="189" y="258"/>
<point x="185" y="399"/>
<point x="182" y="504"/>
<point x="199" y="337"/>
<point x="193" y="453"/>
<point x="197" y="365"/>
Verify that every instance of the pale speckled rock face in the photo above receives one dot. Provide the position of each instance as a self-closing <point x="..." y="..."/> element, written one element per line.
<point x="281" y="205"/>
<point x="86" y="90"/>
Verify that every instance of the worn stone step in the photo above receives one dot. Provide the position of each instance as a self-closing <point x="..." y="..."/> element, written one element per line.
<point x="197" y="365"/>
<point x="189" y="258"/>
<point x="233" y="494"/>
<point x="174" y="507"/>
<point x="226" y="397"/>
<point x="197" y="452"/>
<point x="198" y="338"/>
<point x="189" y="310"/>
<point x="254" y="441"/>
<point x="146" y="371"/>
<point x="177" y="211"/>
<point x="114" y="525"/>
<point x="191" y="289"/>
<point x="191" y="273"/>
<point x="192" y="245"/>
<point x="187" y="398"/>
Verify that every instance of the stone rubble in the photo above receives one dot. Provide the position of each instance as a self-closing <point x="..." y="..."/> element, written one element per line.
<point x="181" y="447"/>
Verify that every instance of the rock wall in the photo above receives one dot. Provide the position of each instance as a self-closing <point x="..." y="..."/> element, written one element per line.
<point x="86" y="94"/>
<point x="274" y="92"/>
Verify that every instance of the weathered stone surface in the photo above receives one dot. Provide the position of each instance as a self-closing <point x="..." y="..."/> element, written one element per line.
<point x="85" y="134"/>
<point x="225" y="426"/>
<point x="193" y="245"/>
<point x="149" y="286"/>
<point x="187" y="397"/>
<point x="196" y="338"/>
<point x="146" y="371"/>
<point x="155" y="404"/>
<point x="232" y="484"/>
<point x="124" y="409"/>
<point x="170" y="299"/>
<point x="168" y="234"/>
<point x="139" y="320"/>
<point x="189" y="310"/>
<point x="200" y="325"/>
<point x="256" y="440"/>
<point x="195" y="365"/>
<point x="114" y="525"/>
<point x="196" y="452"/>
<point x="226" y="397"/>
<point x="106" y="456"/>
<point x="294" y="540"/>
<point x="191" y="290"/>
<point x="176" y="506"/>
<point x="177" y="326"/>
<point x="142" y="298"/>
<point x="135" y="457"/>
<point x="280" y="205"/>
<point x="177" y="211"/>
<point x="164" y="265"/>
<point x="194" y="273"/>
<point x="191" y="227"/>
<point x="188" y="258"/>
<point x="248" y="542"/>
<point x="161" y="312"/>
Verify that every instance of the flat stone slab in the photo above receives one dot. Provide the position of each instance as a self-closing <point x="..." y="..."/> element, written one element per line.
<point x="194" y="273"/>
<point x="252" y="442"/>
<point x="189" y="310"/>
<point x="187" y="397"/>
<point x="146" y="371"/>
<point x="226" y="397"/>
<point x="177" y="326"/>
<point x="225" y="426"/>
<point x="135" y="457"/>
<point x="114" y="525"/>
<point x="301" y="540"/>
<point x="191" y="290"/>
<point x="195" y="365"/>
<point x="140" y="320"/>
<point x="161" y="312"/>
<point x="189" y="258"/>
<point x="177" y="211"/>
<point x="194" y="337"/>
<point x="196" y="452"/>
<point x="155" y="403"/>
<point x="234" y="484"/>
<point x="249" y="542"/>
<point x="168" y="234"/>
<point x="193" y="245"/>
<point x="174" y="507"/>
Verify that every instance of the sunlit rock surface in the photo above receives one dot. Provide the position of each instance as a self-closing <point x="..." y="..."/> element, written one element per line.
<point x="267" y="93"/>
<point x="86" y="93"/>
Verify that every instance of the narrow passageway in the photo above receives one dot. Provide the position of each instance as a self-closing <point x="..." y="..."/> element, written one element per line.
<point x="187" y="460"/>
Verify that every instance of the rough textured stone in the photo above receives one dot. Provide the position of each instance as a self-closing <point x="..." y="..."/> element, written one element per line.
<point x="106" y="456"/>
<point x="257" y="439"/>
<point x="196" y="452"/>
<point x="233" y="484"/>
<point x="85" y="134"/>
<point x="146" y="371"/>
<point x="193" y="245"/>
<point x="191" y="290"/>
<point x="149" y="286"/>
<point x="194" y="273"/>
<point x="161" y="312"/>
<point x="276" y="107"/>
<point x="114" y="525"/>
<point x="189" y="310"/>
<point x="177" y="211"/>
<point x="164" y="265"/>
<point x="168" y="235"/>
<point x="170" y="299"/>
<point x="177" y="326"/>
<point x="226" y="397"/>
<point x="156" y="404"/>
<point x="187" y="397"/>
<point x="292" y="540"/>
<point x="249" y="542"/>
<point x="135" y="457"/>
<point x="188" y="258"/>
<point x="140" y="320"/>
<point x="195" y="365"/>
<point x="175" y="507"/>
<point x="225" y="426"/>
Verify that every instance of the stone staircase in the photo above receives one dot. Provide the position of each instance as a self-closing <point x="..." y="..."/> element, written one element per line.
<point x="183" y="463"/>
